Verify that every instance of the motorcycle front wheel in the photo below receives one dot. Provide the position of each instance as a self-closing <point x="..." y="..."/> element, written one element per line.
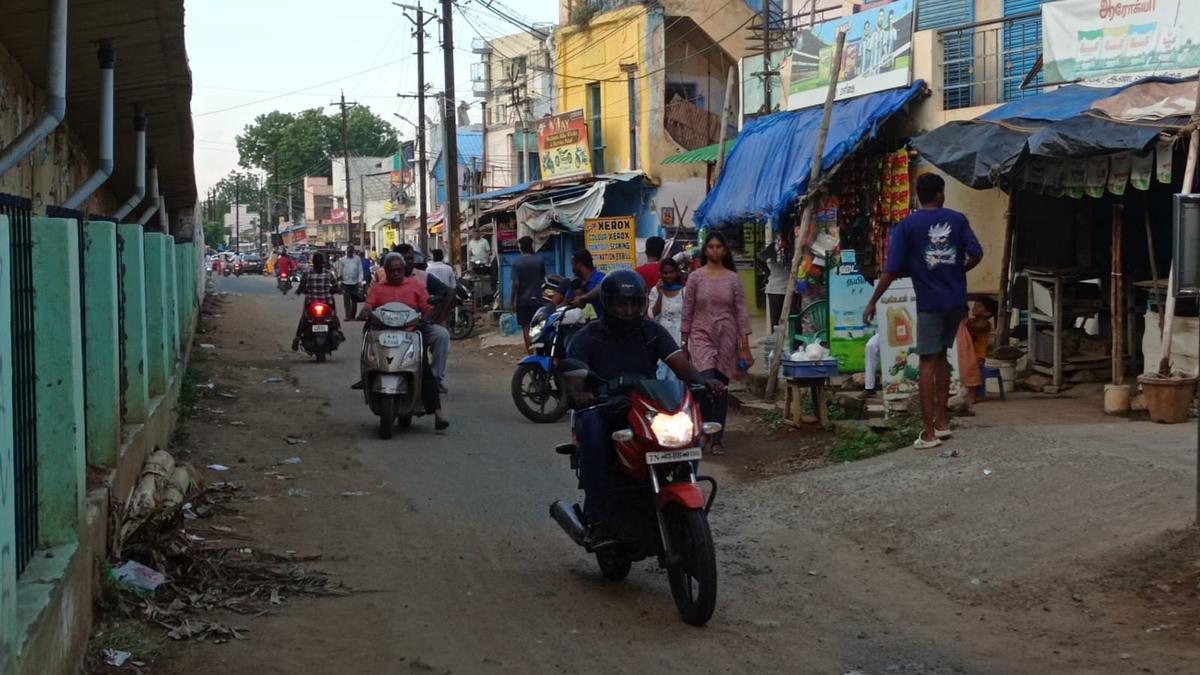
<point x="387" y="416"/>
<point x="462" y="323"/>
<point x="539" y="396"/>
<point x="693" y="574"/>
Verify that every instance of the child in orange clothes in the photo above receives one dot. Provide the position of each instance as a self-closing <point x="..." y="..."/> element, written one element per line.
<point x="979" y="326"/>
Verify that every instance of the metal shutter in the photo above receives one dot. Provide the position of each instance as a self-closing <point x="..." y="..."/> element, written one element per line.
<point x="1022" y="44"/>
<point x="959" y="48"/>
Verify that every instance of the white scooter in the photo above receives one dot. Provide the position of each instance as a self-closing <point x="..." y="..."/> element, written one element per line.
<point x="392" y="365"/>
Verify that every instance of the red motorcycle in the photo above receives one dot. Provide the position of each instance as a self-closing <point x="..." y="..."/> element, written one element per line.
<point x="656" y="506"/>
<point x="319" y="334"/>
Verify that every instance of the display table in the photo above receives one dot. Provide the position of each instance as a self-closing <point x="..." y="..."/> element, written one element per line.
<point x="1051" y="302"/>
<point x="793" y="391"/>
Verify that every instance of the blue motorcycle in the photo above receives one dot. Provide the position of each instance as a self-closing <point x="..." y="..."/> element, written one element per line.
<point x="538" y="388"/>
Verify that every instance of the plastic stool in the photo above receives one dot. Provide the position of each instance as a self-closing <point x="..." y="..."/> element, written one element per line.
<point x="989" y="373"/>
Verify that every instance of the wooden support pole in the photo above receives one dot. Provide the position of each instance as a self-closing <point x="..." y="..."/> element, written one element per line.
<point x="1117" y="298"/>
<point x="726" y="113"/>
<point x="1150" y="248"/>
<point x="806" y="219"/>
<point x="1003" y="318"/>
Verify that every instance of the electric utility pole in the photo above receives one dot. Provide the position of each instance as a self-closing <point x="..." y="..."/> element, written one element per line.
<point x="419" y="25"/>
<point x="237" y="213"/>
<point x="449" y="121"/>
<point x="346" y="167"/>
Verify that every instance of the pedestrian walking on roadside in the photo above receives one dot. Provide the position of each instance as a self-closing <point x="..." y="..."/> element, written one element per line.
<point x="649" y="271"/>
<point x="936" y="247"/>
<point x="715" y="330"/>
<point x="778" y="276"/>
<point x="528" y="273"/>
<point x="349" y="272"/>
<point x="665" y="307"/>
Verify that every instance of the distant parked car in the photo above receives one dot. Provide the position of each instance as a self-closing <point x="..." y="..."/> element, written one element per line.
<point x="249" y="263"/>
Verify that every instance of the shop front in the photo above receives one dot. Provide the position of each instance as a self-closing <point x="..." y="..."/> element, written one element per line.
<point x="1091" y="174"/>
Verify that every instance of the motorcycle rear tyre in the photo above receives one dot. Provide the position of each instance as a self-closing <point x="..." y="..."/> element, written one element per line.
<point x="404" y="421"/>
<point x="462" y="323"/>
<point x="613" y="566"/>
<point x="387" y="416"/>
<point x="320" y="354"/>
<point x="691" y="542"/>
<point x="525" y="407"/>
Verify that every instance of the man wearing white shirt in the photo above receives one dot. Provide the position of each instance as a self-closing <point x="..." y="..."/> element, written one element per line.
<point x="441" y="270"/>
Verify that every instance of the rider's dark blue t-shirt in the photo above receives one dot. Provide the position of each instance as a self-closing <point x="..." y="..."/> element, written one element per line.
<point x="610" y="356"/>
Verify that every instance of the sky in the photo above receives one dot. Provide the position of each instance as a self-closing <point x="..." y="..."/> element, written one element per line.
<point x="243" y="52"/>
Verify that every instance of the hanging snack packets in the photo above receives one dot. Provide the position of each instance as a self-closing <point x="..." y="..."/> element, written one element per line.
<point x="1118" y="173"/>
<point x="1097" y="176"/>
<point x="1164" y="156"/>
<point x="1141" y="166"/>
<point x="1076" y="178"/>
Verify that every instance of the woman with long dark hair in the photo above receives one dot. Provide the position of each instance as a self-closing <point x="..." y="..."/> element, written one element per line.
<point x="317" y="286"/>
<point x="715" y="330"/>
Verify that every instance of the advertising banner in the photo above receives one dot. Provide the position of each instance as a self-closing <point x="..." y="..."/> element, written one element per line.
<point x="848" y="295"/>
<point x="753" y="77"/>
<point x="563" y="149"/>
<point x="898" y="357"/>
<point x="1109" y="43"/>
<point x="611" y="242"/>
<point x="877" y="56"/>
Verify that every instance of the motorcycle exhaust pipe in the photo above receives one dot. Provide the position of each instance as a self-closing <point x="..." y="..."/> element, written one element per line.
<point x="564" y="514"/>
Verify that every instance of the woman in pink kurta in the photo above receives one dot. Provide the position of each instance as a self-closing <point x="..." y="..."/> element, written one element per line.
<point x="716" y="326"/>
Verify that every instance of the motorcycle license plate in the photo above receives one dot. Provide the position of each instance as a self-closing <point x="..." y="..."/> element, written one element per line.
<point x="672" y="456"/>
<point x="320" y="328"/>
<point x="391" y="339"/>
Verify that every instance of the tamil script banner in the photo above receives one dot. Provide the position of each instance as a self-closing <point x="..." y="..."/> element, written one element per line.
<point x="611" y="242"/>
<point x="563" y="147"/>
<point x="1109" y="43"/>
<point x="877" y="56"/>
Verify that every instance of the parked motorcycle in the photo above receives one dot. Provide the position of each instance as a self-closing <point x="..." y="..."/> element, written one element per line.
<point x="391" y="366"/>
<point x="462" y="314"/>
<point x="319" y="336"/>
<point x="656" y="506"/>
<point x="538" y="389"/>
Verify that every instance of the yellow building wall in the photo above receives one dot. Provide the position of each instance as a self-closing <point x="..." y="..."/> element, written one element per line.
<point x="595" y="53"/>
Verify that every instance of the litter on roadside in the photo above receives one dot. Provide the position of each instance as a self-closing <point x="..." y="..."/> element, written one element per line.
<point x="355" y="493"/>
<point x="207" y="385"/>
<point x="225" y="394"/>
<point x="291" y="460"/>
<point x="274" y="379"/>
<point x="292" y="440"/>
<point x="297" y="492"/>
<point x="116" y="657"/>
<point x="987" y="472"/>
<point x="218" y="467"/>
<point x="134" y="573"/>
<point x="207" y="345"/>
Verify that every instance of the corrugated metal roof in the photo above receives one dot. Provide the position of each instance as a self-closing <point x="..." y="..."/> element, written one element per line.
<point x="470" y="147"/>
<point x="706" y="154"/>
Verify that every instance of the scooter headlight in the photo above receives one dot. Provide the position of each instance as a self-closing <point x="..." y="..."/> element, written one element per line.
<point x="673" y="431"/>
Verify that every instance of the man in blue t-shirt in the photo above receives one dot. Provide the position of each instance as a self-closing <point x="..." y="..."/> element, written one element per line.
<point x="936" y="248"/>
<point x="589" y="278"/>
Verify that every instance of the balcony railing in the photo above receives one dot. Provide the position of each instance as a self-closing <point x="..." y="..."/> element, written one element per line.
<point x="987" y="62"/>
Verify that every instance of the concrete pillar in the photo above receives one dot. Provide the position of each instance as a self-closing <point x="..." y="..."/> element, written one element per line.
<point x="187" y="291"/>
<point x="103" y="381"/>
<point x="171" y="309"/>
<point x="59" y="362"/>
<point x="8" y="527"/>
<point x="157" y="335"/>
<point x="135" y="390"/>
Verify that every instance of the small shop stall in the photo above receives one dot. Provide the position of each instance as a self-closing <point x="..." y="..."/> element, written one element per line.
<point x="1090" y="173"/>
<point x="864" y="190"/>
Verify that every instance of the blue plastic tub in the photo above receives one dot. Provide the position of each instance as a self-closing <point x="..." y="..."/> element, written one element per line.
<point x="823" y="368"/>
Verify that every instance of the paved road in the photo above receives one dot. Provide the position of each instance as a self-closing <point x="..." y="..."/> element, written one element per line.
<point x="472" y="575"/>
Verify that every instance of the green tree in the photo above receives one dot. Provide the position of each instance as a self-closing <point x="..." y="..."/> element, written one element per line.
<point x="214" y="233"/>
<point x="303" y="144"/>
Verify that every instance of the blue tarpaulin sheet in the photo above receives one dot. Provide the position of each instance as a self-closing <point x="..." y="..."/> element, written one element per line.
<point x="768" y="169"/>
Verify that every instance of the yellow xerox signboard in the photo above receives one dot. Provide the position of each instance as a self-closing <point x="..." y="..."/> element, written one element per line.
<point x="611" y="242"/>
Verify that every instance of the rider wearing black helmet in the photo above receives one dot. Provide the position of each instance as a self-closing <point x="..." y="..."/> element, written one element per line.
<point x="621" y="343"/>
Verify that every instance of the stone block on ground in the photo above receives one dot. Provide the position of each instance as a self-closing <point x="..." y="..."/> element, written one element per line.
<point x="1138" y="403"/>
<point x="1036" y="381"/>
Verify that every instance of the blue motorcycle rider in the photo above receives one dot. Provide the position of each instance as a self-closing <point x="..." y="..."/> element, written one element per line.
<point x="621" y="343"/>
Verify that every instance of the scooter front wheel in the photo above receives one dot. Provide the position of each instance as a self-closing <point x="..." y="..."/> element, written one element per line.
<point x="693" y="572"/>
<point x="387" y="416"/>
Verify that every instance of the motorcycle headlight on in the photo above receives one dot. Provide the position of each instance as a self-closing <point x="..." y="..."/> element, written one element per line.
<point x="536" y="328"/>
<point x="673" y="431"/>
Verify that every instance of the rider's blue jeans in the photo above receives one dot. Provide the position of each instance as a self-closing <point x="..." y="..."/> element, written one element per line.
<point x="593" y="429"/>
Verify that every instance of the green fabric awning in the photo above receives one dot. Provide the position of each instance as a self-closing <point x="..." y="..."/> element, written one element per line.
<point x="706" y="154"/>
